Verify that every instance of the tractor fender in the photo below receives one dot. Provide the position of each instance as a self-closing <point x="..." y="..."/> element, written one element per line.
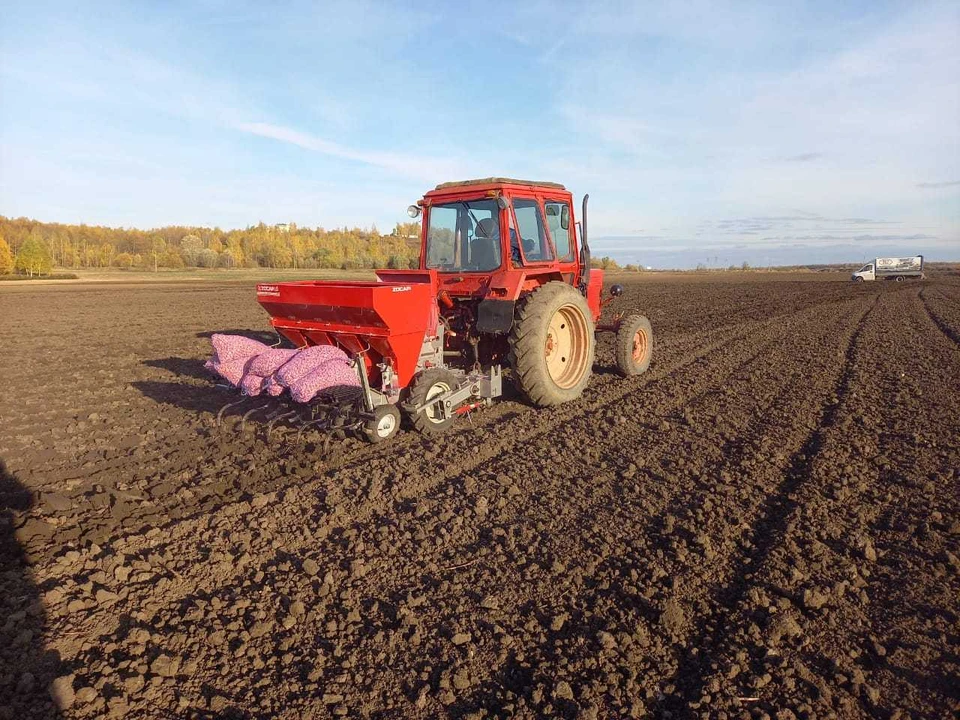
<point x="495" y="312"/>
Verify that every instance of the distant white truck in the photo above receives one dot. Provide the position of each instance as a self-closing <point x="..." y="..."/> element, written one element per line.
<point x="896" y="268"/>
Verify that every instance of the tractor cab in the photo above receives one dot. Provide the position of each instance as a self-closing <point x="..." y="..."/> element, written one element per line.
<point x="499" y="233"/>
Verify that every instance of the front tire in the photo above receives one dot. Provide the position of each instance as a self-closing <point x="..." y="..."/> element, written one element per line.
<point x="552" y="345"/>
<point x="383" y="425"/>
<point x="634" y="345"/>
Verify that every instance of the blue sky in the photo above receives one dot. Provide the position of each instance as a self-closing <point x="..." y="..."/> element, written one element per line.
<point x="703" y="128"/>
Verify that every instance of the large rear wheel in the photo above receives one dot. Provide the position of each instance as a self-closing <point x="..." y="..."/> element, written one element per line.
<point x="552" y="345"/>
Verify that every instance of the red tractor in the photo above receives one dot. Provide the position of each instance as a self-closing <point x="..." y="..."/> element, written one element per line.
<point x="504" y="282"/>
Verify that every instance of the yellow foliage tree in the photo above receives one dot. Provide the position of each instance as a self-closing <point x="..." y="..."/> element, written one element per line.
<point x="6" y="258"/>
<point x="33" y="258"/>
<point x="257" y="246"/>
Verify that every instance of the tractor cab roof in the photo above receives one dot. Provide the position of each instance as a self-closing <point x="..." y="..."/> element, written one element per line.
<point x="493" y="185"/>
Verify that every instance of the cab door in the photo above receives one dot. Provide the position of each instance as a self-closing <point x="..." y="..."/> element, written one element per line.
<point x="562" y="229"/>
<point x="530" y="244"/>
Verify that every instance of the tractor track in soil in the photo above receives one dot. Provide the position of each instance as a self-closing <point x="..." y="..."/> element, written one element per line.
<point x="766" y="530"/>
<point x="853" y="625"/>
<point x="691" y="541"/>
<point x="948" y="328"/>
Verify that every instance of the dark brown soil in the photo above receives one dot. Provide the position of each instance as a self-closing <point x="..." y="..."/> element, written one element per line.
<point x="765" y="524"/>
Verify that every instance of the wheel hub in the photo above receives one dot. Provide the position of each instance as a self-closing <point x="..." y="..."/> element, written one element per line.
<point x="386" y="425"/>
<point x="433" y="412"/>
<point x="639" y="346"/>
<point x="565" y="348"/>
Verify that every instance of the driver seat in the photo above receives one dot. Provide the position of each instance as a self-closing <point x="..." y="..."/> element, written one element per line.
<point x="485" y="248"/>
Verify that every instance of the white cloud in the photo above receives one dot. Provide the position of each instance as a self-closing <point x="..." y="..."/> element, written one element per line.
<point x="422" y="168"/>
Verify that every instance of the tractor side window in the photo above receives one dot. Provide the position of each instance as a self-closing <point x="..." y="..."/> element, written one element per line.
<point x="533" y="236"/>
<point x="441" y="236"/>
<point x="558" y="220"/>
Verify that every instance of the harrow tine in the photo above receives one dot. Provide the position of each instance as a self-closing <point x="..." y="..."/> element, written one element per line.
<point x="278" y="418"/>
<point x="249" y="413"/>
<point x="227" y="407"/>
<point x="307" y="424"/>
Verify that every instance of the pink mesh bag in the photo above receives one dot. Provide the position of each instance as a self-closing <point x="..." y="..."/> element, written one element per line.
<point x="307" y="360"/>
<point x="269" y="361"/>
<point x="333" y="373"/>
<point x="235" y="347"/>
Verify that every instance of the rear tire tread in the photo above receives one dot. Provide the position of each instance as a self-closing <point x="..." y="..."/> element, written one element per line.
<point x="527" y="339"/>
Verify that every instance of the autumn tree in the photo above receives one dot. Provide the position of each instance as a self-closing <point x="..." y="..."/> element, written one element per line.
<point x="207" y="258"/>
<point x="190" y="248"/>
<point x="605" y="263"/>
<point x="33" y="256"/>
<point x="171" y="259"/>
<point x="6" y="258"/>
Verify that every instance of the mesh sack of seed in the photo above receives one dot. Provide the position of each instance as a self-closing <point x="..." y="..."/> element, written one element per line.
<point x="307" y="360"/>
<point x="333" y="373"/>
<point x="273" y="387"/>
<point x="235" y="347"/>
<point x="231" y="370"/>
<point x="270" y="360"/>
<point x="252" y="384"/>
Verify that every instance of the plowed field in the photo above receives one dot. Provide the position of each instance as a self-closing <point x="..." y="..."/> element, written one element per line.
<point x="765" y="524"/>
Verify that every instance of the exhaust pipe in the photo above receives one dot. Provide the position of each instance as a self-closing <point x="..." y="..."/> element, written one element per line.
<point x="584" y="248"/>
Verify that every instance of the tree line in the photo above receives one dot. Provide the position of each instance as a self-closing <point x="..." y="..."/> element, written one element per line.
<point x="32" y="247"/>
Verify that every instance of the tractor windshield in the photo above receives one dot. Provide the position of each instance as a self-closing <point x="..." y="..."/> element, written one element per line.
<point x="464" y="236"/>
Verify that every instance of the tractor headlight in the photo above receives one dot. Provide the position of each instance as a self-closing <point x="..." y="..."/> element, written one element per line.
<point x="413" y="211"/>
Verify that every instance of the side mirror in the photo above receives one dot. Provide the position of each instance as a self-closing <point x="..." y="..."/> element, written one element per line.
<point x="616" y="290"/>
<point x="565" y="217"/>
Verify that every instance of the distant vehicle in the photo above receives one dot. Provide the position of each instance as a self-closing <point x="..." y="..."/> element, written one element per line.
<point x="898" y="269"/>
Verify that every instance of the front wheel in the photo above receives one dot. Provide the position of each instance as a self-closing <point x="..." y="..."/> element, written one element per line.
<point x="383" y="425"/>
<point x="634" y="345"/>
<point x="859" y="279"/>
